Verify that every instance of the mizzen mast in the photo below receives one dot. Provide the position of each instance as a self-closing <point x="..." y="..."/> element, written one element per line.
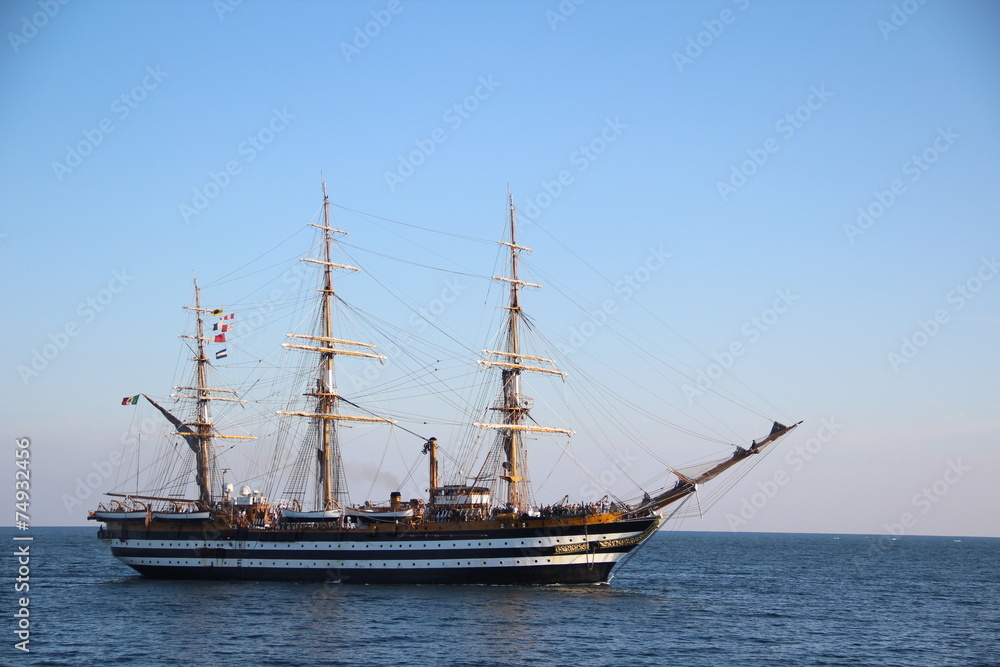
<point x="200" y="437"/>
<point x="514" y="406"/>
<point x="332" y="483"/>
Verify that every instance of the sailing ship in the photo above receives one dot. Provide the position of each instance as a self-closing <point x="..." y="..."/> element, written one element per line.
<point x="481" y="529"/>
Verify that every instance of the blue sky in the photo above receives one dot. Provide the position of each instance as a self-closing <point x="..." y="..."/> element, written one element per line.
<point x="144" y="141"/>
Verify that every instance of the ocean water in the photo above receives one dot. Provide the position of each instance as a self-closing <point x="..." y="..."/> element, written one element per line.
<point x="685" y="598"/>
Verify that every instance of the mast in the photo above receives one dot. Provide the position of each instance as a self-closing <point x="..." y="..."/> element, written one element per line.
<point x="204" y="475"/>
<point x="514" y="407"/>
<point x="332" y="484"/>
<point x="513" y="411"/>
<point x="325" y="388"/>
<point x="430" y="448"/>
<point x="199" y="434"/>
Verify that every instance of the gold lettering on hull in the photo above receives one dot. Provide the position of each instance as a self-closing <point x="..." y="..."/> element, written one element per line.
<point x="603" y="544"/>
<point x="571" y="548"/>
<point x="606" y="544"/>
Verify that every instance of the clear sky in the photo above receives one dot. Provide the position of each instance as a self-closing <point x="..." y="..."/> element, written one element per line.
<point x="824" y="177"/>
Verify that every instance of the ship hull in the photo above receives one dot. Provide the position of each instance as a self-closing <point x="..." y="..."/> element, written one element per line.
<point x="482" y="576"/>
<point x="543" y="554"/>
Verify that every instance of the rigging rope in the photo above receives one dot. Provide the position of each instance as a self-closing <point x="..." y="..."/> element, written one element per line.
<point x="665" y="324"/>
<point x="407" y="224"/>
<point x="412" y="263"/>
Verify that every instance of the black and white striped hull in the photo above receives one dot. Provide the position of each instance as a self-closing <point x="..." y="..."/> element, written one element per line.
<point x="544" y="555"/>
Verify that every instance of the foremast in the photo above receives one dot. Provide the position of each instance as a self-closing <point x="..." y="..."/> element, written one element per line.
<point x="326" y="414"/>
<point x="514" y="407"/>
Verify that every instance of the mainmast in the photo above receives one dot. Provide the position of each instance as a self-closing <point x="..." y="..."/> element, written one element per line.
<point x="332" y="484"/>
<point x="326" y="390"/>
<point x="514" y="406"/>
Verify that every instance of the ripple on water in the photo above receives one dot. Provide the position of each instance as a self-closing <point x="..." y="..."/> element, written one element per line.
<point x="695" y="598"/>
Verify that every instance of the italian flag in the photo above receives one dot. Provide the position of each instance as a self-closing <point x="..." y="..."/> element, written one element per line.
<point x="131" y="400"/>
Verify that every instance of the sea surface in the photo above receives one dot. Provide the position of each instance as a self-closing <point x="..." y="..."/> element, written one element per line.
<point x="686" y="598"/>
